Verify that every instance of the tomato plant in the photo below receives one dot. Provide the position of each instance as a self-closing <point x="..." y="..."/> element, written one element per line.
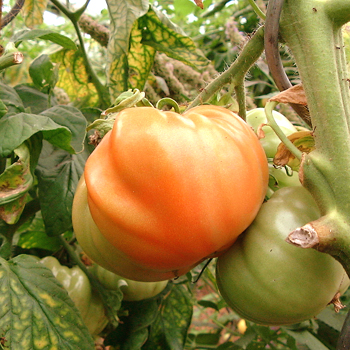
<point x="282" y="177"/>
<point x="132" y="290"/>
<point x="167" y="191"/>
<point x="268" y="281"/>
<point x="181" y="179"/>
<point x="79" y="289"/>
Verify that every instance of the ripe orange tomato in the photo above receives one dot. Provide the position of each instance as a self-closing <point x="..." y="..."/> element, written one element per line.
<point x="166" y="191"/>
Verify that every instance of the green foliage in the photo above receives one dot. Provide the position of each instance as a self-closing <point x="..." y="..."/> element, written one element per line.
<point x="158" y="323"/>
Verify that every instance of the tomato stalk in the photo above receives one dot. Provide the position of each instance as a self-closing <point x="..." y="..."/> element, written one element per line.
<point x="235" y="75"/>
<point x="312" y="30"/>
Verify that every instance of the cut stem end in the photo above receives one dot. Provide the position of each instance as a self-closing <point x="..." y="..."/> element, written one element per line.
<point x="303" y="237"/>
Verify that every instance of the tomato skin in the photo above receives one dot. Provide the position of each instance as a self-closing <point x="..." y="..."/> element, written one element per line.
<point x="132" y="290"/>
<point x="167" y="190"/>
<point x="270" y="142"/>
<point x="79" y="289"/>
<point x="268" y="281"/>
<point x="99" y="249"/>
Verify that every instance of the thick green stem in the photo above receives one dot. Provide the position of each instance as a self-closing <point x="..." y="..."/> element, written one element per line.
<point x="10" y="59"/>
<point x="235" y="75"/>
<point x="312" y="30"/>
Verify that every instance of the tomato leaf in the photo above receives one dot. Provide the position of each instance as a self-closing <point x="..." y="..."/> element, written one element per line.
<point x="11" y="100"/>
<point x="132" y="331"/>
<point x="33" y="11"/>
<point x="170" y="328"/>
<point x="164" y="36"/>
<point x="33" y="100"/>
<point x="137" y="33"/>
<point x="73" y="119"/>
<point x="208" y="303"/>
<point x="3" y="109"/>
<point x="331" y="318"/>
<point x="45" y="34"/>
<point x="36" y="312"/>
<point x="43" y="72"/>
<point x="126" y="56"/>
<point x="18" y="178"/>
<point x="58" y="175"/>
<point x="306" y="338"/>
<point x="74" y="79"/>
<point x="132" y="68"/>
<point x="22" y="126"/>
<point x="33" y="235"/>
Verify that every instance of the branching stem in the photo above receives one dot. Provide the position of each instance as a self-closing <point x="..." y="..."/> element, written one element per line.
<point x="235" y="75"/>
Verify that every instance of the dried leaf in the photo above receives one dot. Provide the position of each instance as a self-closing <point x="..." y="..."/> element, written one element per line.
<point x="295" y="95"/>
<point x="303" y="140"/>
<point x="199" y="3"/>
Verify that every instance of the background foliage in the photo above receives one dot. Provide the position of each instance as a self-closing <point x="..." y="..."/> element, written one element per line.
<point x="70" y="73"/>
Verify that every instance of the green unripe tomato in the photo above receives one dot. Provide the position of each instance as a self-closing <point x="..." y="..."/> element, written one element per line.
<point x="280" y="178"/>
<point x="132" y="290"/>
<point x="79" y="290"/>
<point x="270" y="142"/>
<point x="268" y="281"/>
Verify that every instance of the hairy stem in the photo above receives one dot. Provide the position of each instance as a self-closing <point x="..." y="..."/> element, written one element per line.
<point x="273" y="58"/>
<point x="312" y="30"/>
<point x="235" y="75"/>
<point x="12" y="14"/>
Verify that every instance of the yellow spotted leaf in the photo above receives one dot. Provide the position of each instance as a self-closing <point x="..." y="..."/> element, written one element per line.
<point x="137" y="32"/>
<point x="35" y="310"/>
<point x="73" y="78"/>
<point x="33" y="12"/>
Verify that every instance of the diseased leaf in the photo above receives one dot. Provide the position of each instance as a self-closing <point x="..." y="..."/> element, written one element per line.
<point x="176" y="313"/>
<point x="33" y="11"/>
<point x="45" y="34"/>
<point x="18" y="178"/>
<point x="36" y="312"/>
<point x="135" y="38"/>
<point x="58" y="175"/>
<point x="74" y="79"/>
<point x="33" y="235"/>
<point x="294" y="94"/>
<point x="123" y="15"/>
<point x="163" y="35"/>
<point x="169" y="330"/>
<point x="132" y="69"/>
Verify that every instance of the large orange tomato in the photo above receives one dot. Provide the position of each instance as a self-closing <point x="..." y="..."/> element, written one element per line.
<point x="166" y="191"/>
